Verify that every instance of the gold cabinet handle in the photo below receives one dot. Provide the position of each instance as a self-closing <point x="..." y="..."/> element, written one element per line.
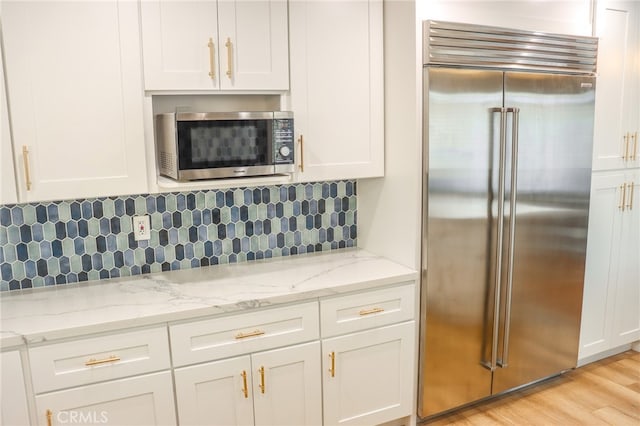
<point x="332" y="370"/>
<point x="630" y="205"/>
<point x="212" y="62"/>
<point x="250" y="334"/>
<point x="245" y="389"/>
<point x="229" y="47"/>
<point x="371" y="311"/>
<point x="93" y="361"/>
<point x="301" y="143"/>
<point x="49" y="417"/>
<point x="626" y="138"/>
<point x="261" y="371"/>
<point x="635" y="146"/>
<point x="623" y="196"/>
<point x="27" y="170"/>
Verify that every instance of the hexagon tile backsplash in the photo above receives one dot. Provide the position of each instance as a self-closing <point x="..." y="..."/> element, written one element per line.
<point x="79" y="240"/>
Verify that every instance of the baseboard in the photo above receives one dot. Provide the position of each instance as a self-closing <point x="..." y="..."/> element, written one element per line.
<point x="608" y="353"/>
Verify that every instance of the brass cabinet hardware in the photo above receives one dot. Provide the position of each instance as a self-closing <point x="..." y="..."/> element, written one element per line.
<point x="301" y="143"/>
<point x="626" y="138"/>
<point x="250" y="334"/>
<point x="93" y="361"/>
<point x="245" y="389"/>
<point x="623" y="196"/>
<point x="630" y="205"/>
<point x="27" y="171"/>
<point x="332" y="370"/>
<point x="371" y="311"/>
<point x="212" y="63"/>
<point x="49" y="417"/>
<point x="229" y="47"/>
<point x="635" y="146"/>
<point x="261" y="371"/>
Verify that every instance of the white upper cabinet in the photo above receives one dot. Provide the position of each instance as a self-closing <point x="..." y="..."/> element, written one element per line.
<point x="336" y="56"/>
<point x="617" y="110"/>
<point x="75" y="98"/>
<point x="215" y="45"/>
<point x="8" y="193"/>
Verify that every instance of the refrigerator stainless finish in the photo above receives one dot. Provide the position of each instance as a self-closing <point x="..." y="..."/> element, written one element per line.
<point x="508" y="139"/>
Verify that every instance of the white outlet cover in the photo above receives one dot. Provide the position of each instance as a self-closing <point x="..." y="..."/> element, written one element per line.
<point x="141" y="228"/>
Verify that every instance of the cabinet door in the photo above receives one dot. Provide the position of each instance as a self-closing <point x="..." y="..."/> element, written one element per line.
<point x="337" y="88"/>
<point x="143" y="400"/>
<point x="217" y="393"/>
<point x="180" y="44"/>
<point x="254" y="44"/>
<point x="602" y="250"/>
<point x="626" y="314"/>
<point x="617" y="113"/>
<point x="75" y="97"/>
<point x="13" y="404"/>
<point x="287" y="386"/>
<point x="611" y="301"/>
<point x="368" y="376"/>
<point x="8" y="193"/>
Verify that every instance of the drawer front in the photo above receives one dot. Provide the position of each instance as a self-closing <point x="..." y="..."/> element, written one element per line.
<point x="360" y="311"/>
<point x="219" y="338"/>
<point x="79" y="362"/>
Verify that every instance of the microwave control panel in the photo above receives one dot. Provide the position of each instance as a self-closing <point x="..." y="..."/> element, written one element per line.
<point x="283" y="145"/>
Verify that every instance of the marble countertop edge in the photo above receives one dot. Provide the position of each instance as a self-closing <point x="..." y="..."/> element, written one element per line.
<point x="36" y="316"/>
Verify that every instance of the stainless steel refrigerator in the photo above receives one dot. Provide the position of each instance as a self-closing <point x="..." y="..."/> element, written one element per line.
<point x="508" y="125"/>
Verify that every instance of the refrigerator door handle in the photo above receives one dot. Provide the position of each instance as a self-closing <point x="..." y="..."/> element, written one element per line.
<point x="493" y="363"/>
<point x="504" y="361"/>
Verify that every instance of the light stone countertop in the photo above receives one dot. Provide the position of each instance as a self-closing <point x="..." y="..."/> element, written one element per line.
<point x="39" y="315"/>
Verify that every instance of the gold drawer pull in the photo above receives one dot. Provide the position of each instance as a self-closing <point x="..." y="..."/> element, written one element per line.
<point x="371" y="311"/>
<point x="93" y="361"/>
<point x="623" y="196"/>
<point x="301" y="142"/>
<point x="630" y="205"/>
<point x="49" y="414"/>
<point x="212" y="65"/>
<point x="229" y="47"/>
<point x="261" y="385"/>
<point x="27" y="169"/>
<point x="626" y="138"/>
<point x="250" y="334"/>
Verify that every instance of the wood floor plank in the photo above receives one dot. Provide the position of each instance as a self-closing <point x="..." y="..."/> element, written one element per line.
<point x="606" y="392"/>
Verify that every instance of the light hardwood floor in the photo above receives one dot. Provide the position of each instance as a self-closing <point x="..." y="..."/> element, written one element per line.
<point x="606" y="392"/>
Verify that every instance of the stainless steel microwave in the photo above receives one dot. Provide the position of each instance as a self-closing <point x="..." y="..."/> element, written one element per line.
<point x="210" y="145"/>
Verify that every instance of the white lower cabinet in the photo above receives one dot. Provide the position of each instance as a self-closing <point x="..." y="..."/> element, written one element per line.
<point x="144" y="400"/>
<point x="13" y="396"/>
<point x="368" y="356"/>
<point x="611" y="302"/>
<point x="278" y="387"/>
<point x="368" y="376"/>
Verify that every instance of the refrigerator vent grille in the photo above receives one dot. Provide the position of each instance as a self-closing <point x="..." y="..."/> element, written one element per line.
<point x="454" y="44"/>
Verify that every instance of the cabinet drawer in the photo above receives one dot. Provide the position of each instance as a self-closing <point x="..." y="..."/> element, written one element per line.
<point x="79" y="362"/>
<point x="360" y="311"/>
<point x="219" y="338"/>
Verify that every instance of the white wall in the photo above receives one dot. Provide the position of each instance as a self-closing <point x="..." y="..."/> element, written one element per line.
<point x="555" y="16"/>
<point x="389" y="208"/>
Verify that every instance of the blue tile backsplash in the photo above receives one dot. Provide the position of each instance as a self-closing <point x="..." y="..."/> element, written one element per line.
<point x="69" y="241"/>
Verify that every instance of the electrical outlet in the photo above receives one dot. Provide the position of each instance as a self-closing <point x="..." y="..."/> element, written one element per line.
<point x="141" y="228"/>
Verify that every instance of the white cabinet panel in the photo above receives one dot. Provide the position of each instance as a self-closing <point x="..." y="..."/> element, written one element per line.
<point x="617" y="109"/>
<point x="8" y="192"/>
<point x="84" y="361"/>
<point x="215" y="45"/>
<point x="286" y="386"/>
<point x="216" y="338"/>
<point x="278" y="387"/>
<point x="144" y="400"/>
<point x="13" y="396"/>
<point x="336" y="57"/>
<point x="368" y="376"/>
<point x="611" y="302"/>
<point x="75" y="91"/>
<point x="218" y="393"/>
